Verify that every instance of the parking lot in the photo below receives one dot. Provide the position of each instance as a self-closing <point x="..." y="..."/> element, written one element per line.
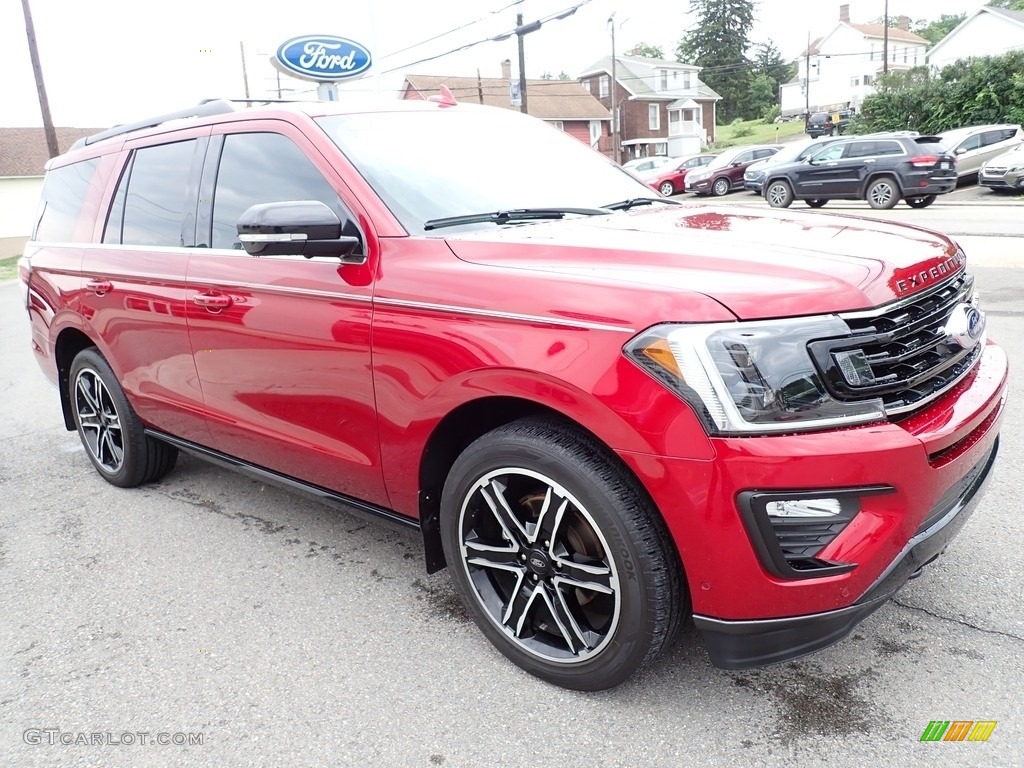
<point x="285" y="632"/>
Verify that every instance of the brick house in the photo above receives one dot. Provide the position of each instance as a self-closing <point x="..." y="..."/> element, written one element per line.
<point x="563" y="103"/>
<point x="664" y="108"/>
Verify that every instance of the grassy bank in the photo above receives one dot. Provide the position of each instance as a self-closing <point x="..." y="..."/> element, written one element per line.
<point x="757" y="132"/>
<point x="9" y="268"/>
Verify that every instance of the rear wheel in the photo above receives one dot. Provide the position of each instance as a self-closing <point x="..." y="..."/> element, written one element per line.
<point x="816" y="202"/>
<point x="779" y="194"/>
<point x="882" y="193"/>
<point x="921" y="202"/>
<point x="667" y="189"/>
<point x="559" y="556"/>
<point x="113" y="436"/>
<point x="720" y="187"/>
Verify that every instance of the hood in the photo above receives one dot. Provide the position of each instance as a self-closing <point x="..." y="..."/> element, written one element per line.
<point x="758" y="264"/>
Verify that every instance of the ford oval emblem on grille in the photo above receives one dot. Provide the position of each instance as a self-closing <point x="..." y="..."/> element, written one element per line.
<point x="965" y="325"/>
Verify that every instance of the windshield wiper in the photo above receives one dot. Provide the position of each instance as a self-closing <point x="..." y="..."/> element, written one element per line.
<point x="515" y="214"/>
<point x="625" y="205"/>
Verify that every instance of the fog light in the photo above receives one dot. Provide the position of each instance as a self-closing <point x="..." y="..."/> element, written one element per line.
<point x="790" y="529"/>
<point x="804" y="508"/>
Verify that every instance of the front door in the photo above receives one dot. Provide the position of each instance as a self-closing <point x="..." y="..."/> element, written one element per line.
<point x="282" y="343"/>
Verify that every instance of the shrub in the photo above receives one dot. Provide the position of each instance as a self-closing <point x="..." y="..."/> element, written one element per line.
<point x="771" y="113"/>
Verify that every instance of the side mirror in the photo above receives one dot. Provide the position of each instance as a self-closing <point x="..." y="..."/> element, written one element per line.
<point x="960" y="150"/>
<point x="296" y="228"/>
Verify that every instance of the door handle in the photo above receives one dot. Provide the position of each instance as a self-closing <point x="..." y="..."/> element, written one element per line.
<point x="868" y="161"/>
<point x="212" y="301"/>
<point x="100" y="287"/>
<point x="831" y="164"/>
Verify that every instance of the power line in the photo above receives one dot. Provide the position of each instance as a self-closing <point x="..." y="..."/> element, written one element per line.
<point x="450" y="31"/>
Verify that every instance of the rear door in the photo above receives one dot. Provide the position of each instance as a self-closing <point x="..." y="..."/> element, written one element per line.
<point x="282" y="343"/>
<point x="134" y="281"/>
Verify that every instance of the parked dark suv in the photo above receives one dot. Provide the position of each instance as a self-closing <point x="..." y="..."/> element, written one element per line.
<point x="604" y="411"/>
<point x="829" y="123"/>
<point x="879" y="169"/>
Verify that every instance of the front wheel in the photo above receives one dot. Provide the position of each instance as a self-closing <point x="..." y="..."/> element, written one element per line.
<point x="882" y="193"/>
<point x="559" y="556"/>
<point x="921" y="202"/>
<point x="113" y="436"/>
<point x="667" y="189"/>
<point x="720" y="187"/>
<point x="816" y="202"/>
<point x="779" y="194"/>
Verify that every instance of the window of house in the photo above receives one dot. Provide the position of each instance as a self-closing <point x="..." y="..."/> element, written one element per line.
<point x="664" y="79"/>
<point x="675" y="119"/>
<point x="855" y="81"/>
<point x="905" y="52"/>
<point x="602" y="87"/>
<point x="686" y="80"/>
<point x="152" y="197"/>
<point x="595" y="132"/>
<point x="263" y="168"/>
<point x="867" y="79"/>
<point x="61" y="201"/>
<point x="558" y="124"/>
<point x="586" y="85"/>
<point x="915" y="56"/>
<point x="654" y="117"/>
<point x="872" y="57"/>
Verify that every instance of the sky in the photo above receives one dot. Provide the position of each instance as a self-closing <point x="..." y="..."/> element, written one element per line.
<point x="112" y="61"/>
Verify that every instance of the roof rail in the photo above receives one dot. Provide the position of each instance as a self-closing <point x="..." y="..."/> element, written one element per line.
<point x="204" y="108"/>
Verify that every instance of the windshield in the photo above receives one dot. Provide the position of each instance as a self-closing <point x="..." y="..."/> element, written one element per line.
<point x="433" y="164"/>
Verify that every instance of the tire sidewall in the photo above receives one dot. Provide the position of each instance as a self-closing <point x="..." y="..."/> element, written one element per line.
<point x="91" y="360"/>
<point x="628" y="644"/>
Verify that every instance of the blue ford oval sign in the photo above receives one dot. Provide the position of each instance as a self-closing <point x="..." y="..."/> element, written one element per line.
<point x="322" y="58"/>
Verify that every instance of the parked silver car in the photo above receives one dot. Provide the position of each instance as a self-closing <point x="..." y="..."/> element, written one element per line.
<point x="1004" y="172"/>
<point x="975" y="145"/>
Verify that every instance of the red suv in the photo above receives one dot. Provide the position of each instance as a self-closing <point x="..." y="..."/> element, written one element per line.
<point x="605" y="411"/>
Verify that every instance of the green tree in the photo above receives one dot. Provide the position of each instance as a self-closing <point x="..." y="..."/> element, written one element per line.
<point x="563" y="75"/>
<point x="1009" y="5"/>
<point x="933" y="31"/>
<point x="976" y="91"/>
<point x="647" y="51"/>
<point x="718" y="43"/>
<point x="768" y="61"/>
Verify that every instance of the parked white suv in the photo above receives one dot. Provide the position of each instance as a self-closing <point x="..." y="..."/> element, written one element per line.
<point x="975" y="145"/>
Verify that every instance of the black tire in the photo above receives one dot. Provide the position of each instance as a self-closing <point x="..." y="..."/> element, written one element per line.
<point x="110" y="430"/>
<point x="921" y="202"/>
<point x="721" y="186"/>
<point x="779" y="194"/>
<point x="816" y="202"/>
<point x="523" y="581"/>
<point x="882" y="193"/>
<point x="667" y="188"/>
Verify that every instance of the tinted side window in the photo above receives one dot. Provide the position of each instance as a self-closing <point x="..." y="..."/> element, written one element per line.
<point x="154" y="200"/>
<point x="762" y="153"/>
<point x="744" y="157"/>
<point x="61" y="202"/>
<point x="994" y="137"/>
<point x="263" y="168"/>
<point x="971" y="143"/>
<point x="888" y="148"/>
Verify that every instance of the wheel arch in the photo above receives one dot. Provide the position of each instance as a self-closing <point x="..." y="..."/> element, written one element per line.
<point x="459" y="428"/>
<point x="69" y="343"/>
<point x="876" y="175"/>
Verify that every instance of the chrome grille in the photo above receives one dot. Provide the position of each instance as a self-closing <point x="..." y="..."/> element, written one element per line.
<point x="900" y="353"/>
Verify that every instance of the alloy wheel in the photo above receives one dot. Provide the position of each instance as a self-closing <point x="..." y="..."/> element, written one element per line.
<point x="539" y="565"/>
<point x="99" y="421"/>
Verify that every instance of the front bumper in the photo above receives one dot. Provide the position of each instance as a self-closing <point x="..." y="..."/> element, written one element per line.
<point x="1010" y="180"/>
<point x="743" y="644"/>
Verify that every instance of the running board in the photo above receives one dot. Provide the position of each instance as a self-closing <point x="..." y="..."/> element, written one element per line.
<point x="355" y="506"/>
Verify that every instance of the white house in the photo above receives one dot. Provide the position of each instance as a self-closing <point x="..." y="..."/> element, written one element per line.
<point x="845" y="63"/>
<point x="986" y="32"/>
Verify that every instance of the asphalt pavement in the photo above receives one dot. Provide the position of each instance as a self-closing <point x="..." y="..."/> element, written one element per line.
<point x="247" y="625"/>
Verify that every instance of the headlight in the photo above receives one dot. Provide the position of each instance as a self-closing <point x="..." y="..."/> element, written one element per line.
<point x="750" y="378"/>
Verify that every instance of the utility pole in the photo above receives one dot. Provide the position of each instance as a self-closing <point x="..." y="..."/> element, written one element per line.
<point x="245" y="76"/>
<point x="611" y="91"/>
<point x="479" y="86"/>
<point x="37" y="70"/>
<point x="885" y="40"/>
<point x="522" y="63"/>
<point x="807" y="82"/>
